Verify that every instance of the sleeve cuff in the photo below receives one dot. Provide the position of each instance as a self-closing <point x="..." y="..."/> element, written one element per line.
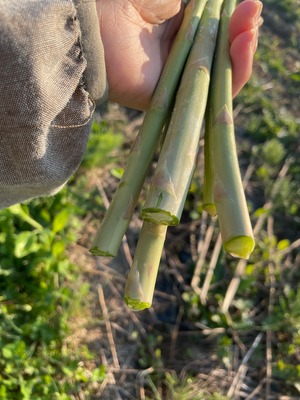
<point x="95" y="73"/>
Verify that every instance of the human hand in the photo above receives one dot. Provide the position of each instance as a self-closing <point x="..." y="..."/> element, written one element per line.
<point x="243" y="37"/>
<point x="137" y="36"/>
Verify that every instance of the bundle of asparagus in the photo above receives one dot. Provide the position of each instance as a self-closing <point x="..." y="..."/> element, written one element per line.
<point x="195" y="85"/>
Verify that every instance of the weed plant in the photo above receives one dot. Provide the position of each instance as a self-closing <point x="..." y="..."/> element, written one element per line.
<point x="37" y="297"/>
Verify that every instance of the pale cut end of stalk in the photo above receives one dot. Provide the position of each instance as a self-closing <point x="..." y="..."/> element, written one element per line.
<point x="240" y="246"/>
<point x="135" y="304"/>
<point x="96" y="251"/>
<point x="210" y="208"/>
<point x="141" y="280"/>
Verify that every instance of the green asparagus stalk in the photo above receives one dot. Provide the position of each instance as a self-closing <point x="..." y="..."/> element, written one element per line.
<point x="140" y="283"/>
<point x="208" y="196"/>
<point x="118" y="216"/>
<point x="228" y="193"/>
<point x="176" y="164"/>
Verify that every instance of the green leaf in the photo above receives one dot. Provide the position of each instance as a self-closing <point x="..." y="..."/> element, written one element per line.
<point x="283" y="244"/>
<point x="26" y="243"/>
<point x="23" y="214"/>
<point x="26" y="390"/>
<point x="260" y="211"/>
<point x="58" y="248"/>
<point x="273" y="151"/>
<point x="117" y="172"/>
<point x="3" y="392"/>
<point x="7" y="353"/>
<point x="99" y="374"/>
<point x="60" y="221"/>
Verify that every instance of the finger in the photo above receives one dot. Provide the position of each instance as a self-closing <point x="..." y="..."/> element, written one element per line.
<point x="244" y="18"/>
<point x="157" y="11"/>
<point x="242" y="50"/>
<point x="171" y="28"/>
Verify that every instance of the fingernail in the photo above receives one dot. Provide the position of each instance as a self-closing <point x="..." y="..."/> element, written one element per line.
<point x="258" y="11"/>
<point x="254" y="39"/>
<point x="260" y="21"/>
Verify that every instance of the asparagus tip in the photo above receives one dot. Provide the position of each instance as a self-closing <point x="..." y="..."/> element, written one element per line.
<point x="136" y="304"/>
<point x="96" y="251"/>
<point x="240" y="246"/>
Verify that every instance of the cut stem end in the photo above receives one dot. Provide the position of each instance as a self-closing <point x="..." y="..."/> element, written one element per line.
<point x="136" y="304"/>
<point x="210" y="208"/>
<point x="240" y="246"/>
<point x="96" y="251"/>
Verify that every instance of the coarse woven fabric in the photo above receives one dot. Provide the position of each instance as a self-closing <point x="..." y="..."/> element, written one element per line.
<point x="48" y="87"/>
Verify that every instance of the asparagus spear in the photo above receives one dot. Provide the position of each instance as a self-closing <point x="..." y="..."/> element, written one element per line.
<point x="208" y="196"/>
<point x="228" y="190"/>
<point x="117" y="218"/>
<point x="142" y="276"/>
<point x="174" y="171"/>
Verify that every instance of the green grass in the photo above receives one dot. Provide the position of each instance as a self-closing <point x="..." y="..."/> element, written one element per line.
<point x="102" y="142"/>
<point x="36" y="301"/>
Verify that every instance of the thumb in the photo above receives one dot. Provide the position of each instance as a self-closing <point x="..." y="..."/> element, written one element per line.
<point x="157" y="11"/>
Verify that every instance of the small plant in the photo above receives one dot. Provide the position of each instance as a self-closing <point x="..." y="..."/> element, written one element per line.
<point x="174" y="388"/>
<point x="36" y="301"/>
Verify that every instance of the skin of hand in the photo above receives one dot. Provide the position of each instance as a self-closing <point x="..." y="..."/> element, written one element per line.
<point x="137" y="36"/>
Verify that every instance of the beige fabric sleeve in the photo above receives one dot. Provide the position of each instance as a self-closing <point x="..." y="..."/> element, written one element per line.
<point x="96" y="83"/>
<point x="51" y="72"/>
